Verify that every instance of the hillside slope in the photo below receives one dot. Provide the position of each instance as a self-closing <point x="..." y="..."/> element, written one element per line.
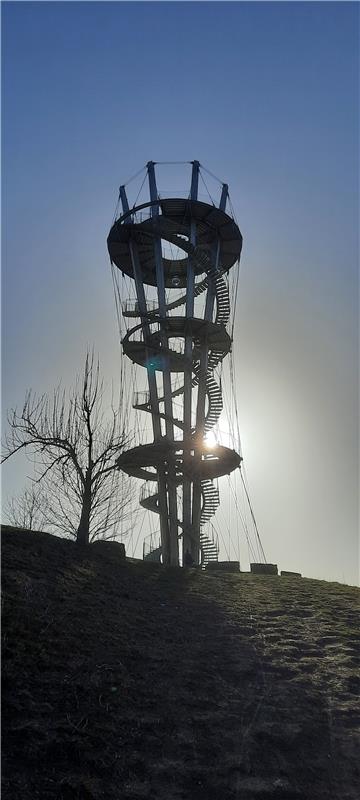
<point x="129" y="681"/>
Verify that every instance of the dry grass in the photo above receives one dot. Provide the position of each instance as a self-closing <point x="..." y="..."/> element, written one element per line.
<point x="128" y="681"/>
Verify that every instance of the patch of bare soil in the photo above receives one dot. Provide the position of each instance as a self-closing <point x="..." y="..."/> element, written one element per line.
<point x="127" y="681"/>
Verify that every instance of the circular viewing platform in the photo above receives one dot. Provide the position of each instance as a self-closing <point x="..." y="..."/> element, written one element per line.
<point x="162" y="348"/>
<point x="173" y="224"/>
<point x="204" y="463"/>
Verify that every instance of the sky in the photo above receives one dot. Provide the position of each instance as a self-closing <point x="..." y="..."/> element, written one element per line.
<point x="265" y="95"/>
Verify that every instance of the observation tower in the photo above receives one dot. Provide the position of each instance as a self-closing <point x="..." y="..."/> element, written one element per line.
<point x="181" y="351"/>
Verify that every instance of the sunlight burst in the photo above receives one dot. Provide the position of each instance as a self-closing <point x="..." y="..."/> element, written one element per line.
<point x="210" y="440"/>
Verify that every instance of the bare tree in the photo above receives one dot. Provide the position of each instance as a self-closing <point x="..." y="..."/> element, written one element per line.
<point x="29" y="510"/>
<point x="74" y="447"/>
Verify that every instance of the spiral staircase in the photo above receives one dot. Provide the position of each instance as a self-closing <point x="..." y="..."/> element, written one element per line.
<point x="211" y="243"/>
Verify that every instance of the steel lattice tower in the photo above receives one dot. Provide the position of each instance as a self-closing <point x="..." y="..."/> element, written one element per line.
<point x="179" y="473"/>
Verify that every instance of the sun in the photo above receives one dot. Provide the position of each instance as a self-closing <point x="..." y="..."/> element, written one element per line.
<point x="210" y="440"/>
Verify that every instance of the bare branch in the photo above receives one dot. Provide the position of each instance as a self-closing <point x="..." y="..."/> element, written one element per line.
<point x="74" y="449"/>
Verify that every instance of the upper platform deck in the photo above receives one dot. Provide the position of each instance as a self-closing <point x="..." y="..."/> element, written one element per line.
<point x="173" y="223"/>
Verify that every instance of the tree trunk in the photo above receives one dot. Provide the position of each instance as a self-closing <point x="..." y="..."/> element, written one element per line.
<point x="82" y="536"/>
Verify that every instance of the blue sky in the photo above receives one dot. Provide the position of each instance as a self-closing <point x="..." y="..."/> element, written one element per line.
<point x="266" y="96"/>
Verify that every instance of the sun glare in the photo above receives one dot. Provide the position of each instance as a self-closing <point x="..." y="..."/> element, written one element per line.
<point x="210" y="440"/>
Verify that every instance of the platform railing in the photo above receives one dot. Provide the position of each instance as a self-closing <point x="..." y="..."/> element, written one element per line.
<point x="140" y="399"/>
<point x="151" y="544"/>
<point x="130" y="308"/>
<point x="147" y="490"/>
<point x="174" y="343"/>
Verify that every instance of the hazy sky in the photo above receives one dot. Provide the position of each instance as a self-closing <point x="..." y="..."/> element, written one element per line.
<point x="266" y="96"/>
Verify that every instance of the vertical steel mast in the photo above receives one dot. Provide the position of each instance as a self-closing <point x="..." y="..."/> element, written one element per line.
<point x="178" y="467"/>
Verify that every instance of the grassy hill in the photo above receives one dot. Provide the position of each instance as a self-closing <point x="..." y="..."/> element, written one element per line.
<point x="125" y="681"/>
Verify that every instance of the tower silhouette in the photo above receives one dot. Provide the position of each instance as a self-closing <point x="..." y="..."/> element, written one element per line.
<point x="169" y="340"/>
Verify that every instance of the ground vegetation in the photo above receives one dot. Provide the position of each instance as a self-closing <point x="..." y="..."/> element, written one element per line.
<point x="130" y="680"/>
